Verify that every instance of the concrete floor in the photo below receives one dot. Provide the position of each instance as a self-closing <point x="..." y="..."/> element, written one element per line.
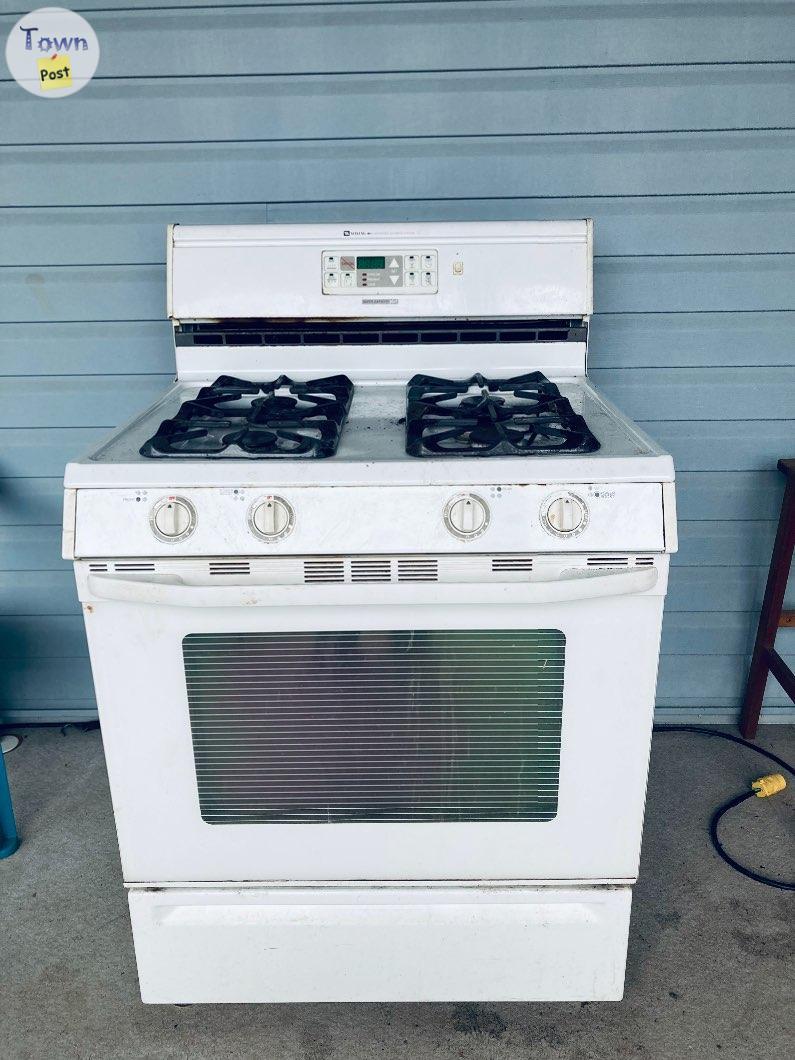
<point x="710" y="951"/>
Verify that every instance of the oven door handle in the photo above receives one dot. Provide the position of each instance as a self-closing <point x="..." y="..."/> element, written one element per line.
<point x="170" y="591"/>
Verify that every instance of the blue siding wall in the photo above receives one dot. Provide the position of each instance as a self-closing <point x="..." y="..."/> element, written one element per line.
<point x="664" y="121"/>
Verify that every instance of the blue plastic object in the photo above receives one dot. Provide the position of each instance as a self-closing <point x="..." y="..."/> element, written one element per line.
<point x="9" y="837"/>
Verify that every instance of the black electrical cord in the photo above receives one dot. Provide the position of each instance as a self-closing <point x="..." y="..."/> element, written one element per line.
<point x="720" y="850"/>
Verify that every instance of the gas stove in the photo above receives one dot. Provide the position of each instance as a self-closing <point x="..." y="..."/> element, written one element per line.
<point x="385" y="573"/>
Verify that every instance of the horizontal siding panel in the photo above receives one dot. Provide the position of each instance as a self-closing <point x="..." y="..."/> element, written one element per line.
<point x="621" y="340"/>
<point x="675" y="224"/>
<point x="678" y="163"/>
<point x="58" y="679"/>
<point x="31" y="501"/>
<point x="729" y="495"/>
<point x="691" y="589"/>
<point x="325" y="38"/>
<point x="31" y="548"/>
<point x="77" y="401"/>
<point x="44" y="592"/>
<point x="35" y="637"/>
<point x="726" y="224"/>
<point x="63" y="636"/>
<point x="724" y="444"/>
<point x="718" y="678"/>
<point x="42" y="451"/>
<point x="702" y="339"/>
<point x="624" y="284"/>
<point x="710" y="589"/>
<point x="711" y="543"/>
<point x="649" y="395"/>
<point x="415" y="104"/>
<point x="704" y="543"/>
<point x="77" y="347"/>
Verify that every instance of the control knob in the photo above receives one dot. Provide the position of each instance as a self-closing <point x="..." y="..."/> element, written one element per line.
<point x="173" y="519"/>
<point x="564" y="515"/>
<point x="271" y="518"/>
<point x="466" y="516"/>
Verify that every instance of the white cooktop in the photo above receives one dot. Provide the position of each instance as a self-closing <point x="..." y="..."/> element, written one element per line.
<point x="372" y="452"/>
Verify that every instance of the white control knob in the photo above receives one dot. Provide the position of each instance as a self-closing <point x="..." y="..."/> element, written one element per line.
<point x="564" y="515"/>
<point x="466" y="516"/>
<point x="271" y="518"/>
<point x="173" y="519"/>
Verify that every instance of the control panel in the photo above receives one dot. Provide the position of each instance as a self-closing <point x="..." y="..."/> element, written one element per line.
<point x="316" y="520"/>
<point x="380" y="272"/>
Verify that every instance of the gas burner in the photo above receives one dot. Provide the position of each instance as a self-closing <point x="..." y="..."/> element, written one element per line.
<point x="237" y="418"/>
<point x="523" y="416"/>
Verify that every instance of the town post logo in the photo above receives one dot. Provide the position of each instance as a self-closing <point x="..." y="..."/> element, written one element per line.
<point x="52" y="52"/>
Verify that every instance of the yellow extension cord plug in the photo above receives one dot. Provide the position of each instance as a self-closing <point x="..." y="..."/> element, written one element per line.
<point x="768" y="785"/>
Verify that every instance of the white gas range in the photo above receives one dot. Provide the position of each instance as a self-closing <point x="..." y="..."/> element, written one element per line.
<point x="373" y="597"/>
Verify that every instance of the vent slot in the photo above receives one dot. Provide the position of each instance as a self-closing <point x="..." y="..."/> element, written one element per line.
<point x="500" y="563"/>
<point x="324" y="570"/>
<point x="607" y="561"/>
<point x="241" y="566"/>
<point x="96" y="568"/>
<point x="371" y="570"/>
<point x="644" y="561"/>
<point x="264" y="332"/>
<point x="133" y="566"/>
<point x="420" y="569"/>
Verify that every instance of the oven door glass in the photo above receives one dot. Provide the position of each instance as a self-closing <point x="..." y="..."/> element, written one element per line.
<point x="376" y="725"/>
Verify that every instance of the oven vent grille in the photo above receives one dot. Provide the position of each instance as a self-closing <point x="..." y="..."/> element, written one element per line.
<point x="324" y="570"/>
<point x="512" y="563"/>
<point x="644" y="561"/>
<point x="234" y="566"/>
<point x="265" y="332"/>
<point x="96" y="568"/>
<point x="139" y="566"/>
<point x="371" y="570"/>
<point x="607" y="561"/>
<point x="421" y="569"/>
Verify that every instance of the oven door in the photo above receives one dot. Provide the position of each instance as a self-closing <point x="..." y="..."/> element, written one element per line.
<point x="376" y="732"/>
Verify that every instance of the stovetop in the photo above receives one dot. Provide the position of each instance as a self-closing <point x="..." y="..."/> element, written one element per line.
<point x="237" y="418"/>
<point x="372" y="448"/>
<point x="525" y="415"/>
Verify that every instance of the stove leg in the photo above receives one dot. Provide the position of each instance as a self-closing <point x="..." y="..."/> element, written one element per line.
<point x="765" y="658"/>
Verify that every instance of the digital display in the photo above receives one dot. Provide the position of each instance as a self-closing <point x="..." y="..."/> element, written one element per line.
<point x="371" y="263"/>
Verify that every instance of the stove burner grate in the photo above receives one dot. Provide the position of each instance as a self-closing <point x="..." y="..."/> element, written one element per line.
<point x="238" y="418"/>
<point x="523" y="416"/>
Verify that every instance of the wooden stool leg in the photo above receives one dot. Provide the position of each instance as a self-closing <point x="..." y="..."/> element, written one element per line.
<point x="771" y="609"/>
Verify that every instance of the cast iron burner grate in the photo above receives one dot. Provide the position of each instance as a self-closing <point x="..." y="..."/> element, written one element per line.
<point x="523" y="416"/>
<point x="237" y="418"/>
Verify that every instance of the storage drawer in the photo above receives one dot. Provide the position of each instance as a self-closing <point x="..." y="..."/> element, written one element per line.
<point x="381" y="944"/>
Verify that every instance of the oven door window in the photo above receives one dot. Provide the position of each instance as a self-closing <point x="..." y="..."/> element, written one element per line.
<point x="376" y="726"/>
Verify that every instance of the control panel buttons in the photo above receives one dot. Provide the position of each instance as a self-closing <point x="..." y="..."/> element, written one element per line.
<point x="374" y="270"/>
<point x="564" y="515"/>
<point x="173" y="519"/>
<point x="466" y="516"/>
<point x="271" y="518"/>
